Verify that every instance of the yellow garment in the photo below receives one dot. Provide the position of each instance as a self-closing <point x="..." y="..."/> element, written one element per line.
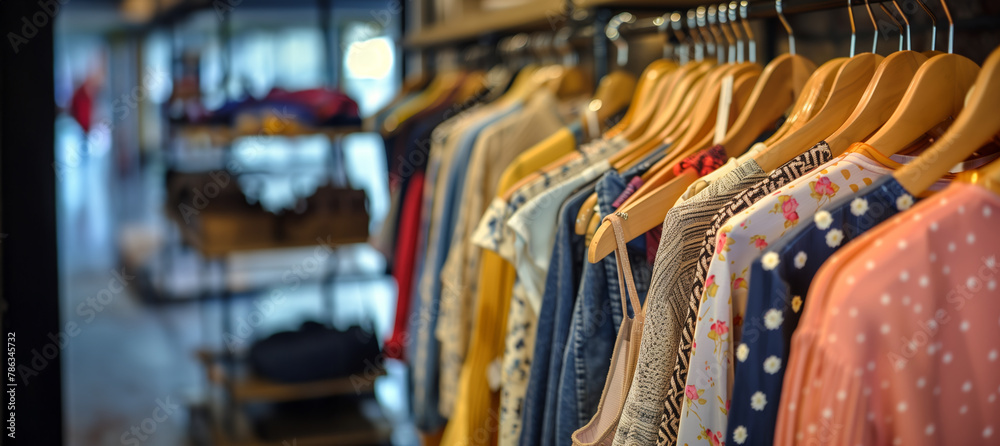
<point x="475" y="419"/>
<point x="542" y="154"/>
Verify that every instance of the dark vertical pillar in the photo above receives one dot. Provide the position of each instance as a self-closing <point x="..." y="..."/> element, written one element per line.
<point x="329" y="47"/>
<point x="601" y="61"/>
<point x="29" y="271"/>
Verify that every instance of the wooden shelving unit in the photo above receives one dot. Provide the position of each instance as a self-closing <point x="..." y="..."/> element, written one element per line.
<point x="221" y="135"/>
<point x="538" y="15"/>
<point x="243" y="387"/>
<point x="248" y="387"/>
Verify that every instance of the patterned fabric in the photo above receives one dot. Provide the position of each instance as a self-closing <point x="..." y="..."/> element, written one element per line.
<point x="926" y="314"/>
<point x="703" y="162"/>
<point x="777" y="293"/>
<point x="790" y="171"/>
<point x="706" y="400"/>
<point x="681" y="237"/>
<point x="492" y="232"/>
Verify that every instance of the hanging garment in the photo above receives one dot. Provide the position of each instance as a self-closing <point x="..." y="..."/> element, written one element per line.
<point x="702" y="163"/>
<point x="601" y="428"/>
<point x="432" y="388"/>
<point x="790" y="171"/>
<point x="927" y="314"/>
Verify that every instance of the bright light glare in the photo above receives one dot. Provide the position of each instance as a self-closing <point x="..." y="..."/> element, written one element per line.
<point x="371" y="59"/>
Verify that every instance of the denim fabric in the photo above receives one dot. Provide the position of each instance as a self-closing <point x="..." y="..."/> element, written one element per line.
<point x="425" y="410"/>
<point x="590" y="342"/>
<point x="561" y="284"/>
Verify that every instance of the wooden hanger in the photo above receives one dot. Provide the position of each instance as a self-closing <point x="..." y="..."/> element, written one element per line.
<point x="741" y="91"/>
<point x="977" y="123"/>
<point x="660" y="75"/>
<point x="742" y="87"/>
<point x="642" y="90"/>
<point x="685" y="85"/>
<point x="702" y="119"/>
<point x="775" y="90"/>
<point x="779" y="86"/>
<point x="814" y="95"/>
<point x="637" y="222"/>
<point x="612" y="95"/>
<point x="679" y="100"/>
<point x="442" y="83"/>
<point x="848" y="88"/>
<point x="936" y="93"/>
<point x="883" y="94"/>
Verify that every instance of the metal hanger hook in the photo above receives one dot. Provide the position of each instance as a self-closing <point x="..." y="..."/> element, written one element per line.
<point x="676" y="25"/>
<point x="613" y="33"/>
<point x="933" y="23"/>
<point x="951" y="27"/>
<point x="727" y="32"/>
<point x="751" y="41"/>
<point x="692" y="27"/>
<point x="899" y="26"/>
<point x="788" y="28"/>
<point x="733" y="17"/>
<point x="854" y="30"/>
<point x="871" y="15"/>
<point x="906" y="23"/>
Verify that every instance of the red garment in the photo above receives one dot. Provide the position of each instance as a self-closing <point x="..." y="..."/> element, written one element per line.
<point x="324" y="104"/>
<point x="81" y="106"/>
<point x="704" y="163"/>
<point x="405" y="259"/>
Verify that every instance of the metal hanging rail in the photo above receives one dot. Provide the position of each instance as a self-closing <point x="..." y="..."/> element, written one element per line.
<point x="754" y="10"/>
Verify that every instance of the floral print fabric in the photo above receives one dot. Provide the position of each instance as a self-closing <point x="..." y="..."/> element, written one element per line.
<point x="721" y="308"/>
<point x="777" y="293"/>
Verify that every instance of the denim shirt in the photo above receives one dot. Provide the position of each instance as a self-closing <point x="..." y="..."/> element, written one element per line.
<point x="777" y="295"/>
<point x="589" y="345"/>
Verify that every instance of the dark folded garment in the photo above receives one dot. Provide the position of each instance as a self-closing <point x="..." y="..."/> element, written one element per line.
<point x="314" y="353"/>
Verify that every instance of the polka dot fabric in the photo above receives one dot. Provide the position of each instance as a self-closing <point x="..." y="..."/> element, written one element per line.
<point x="906" y="343"/>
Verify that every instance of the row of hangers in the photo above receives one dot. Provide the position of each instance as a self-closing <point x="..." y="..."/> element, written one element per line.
<point x="891" y="102"/>
<point x="691" y="101"/>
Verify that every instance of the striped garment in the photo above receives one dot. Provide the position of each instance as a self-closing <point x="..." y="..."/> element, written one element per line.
<point x="680" y="242"/>
<point x="798" y="166"/>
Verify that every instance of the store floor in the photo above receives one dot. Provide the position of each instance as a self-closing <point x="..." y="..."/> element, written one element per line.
<point x="132" y="357"/>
